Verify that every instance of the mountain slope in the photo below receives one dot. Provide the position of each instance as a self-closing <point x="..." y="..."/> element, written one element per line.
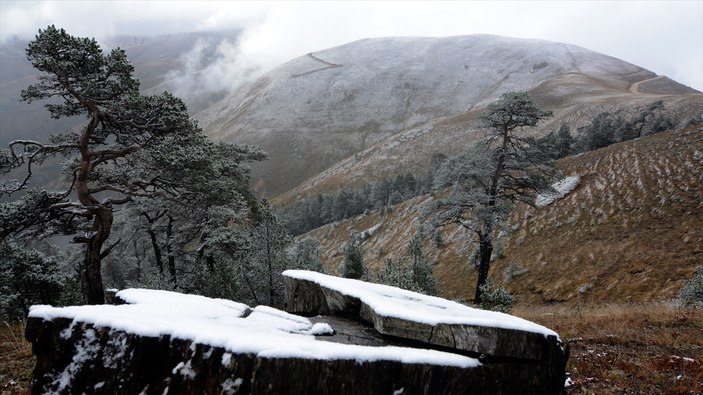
<point x="631" y="231"/>
<point x="323" y="107"/>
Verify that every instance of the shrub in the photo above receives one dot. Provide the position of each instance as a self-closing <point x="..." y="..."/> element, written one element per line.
<point x="496" y="298"/>
<point x="691" y="293"/>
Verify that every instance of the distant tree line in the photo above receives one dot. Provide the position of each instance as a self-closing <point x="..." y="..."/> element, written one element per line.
<point x="311" y="213"/>
<point x="609" y="128"/>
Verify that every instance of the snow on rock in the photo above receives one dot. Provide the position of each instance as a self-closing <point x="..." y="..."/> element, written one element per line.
<point x="264" y="331"/>
<point x="165" y="342"/>
<point x="370" y="231"/>
<point x="561" y="189"/>
<point x="412" y="306"/>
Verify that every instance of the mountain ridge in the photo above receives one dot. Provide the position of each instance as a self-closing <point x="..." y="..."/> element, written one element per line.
<point x="324" y="107"/>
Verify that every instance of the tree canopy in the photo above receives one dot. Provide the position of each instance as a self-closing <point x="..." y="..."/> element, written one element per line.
<point x="132" y="149"/>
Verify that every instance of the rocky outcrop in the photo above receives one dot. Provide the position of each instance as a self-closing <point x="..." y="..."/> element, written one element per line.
<point x="99" y="360"/>
<point x="160" y="342"/>
<point x="525" y="356"/>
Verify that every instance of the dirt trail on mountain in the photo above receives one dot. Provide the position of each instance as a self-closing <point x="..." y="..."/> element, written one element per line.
<point x="635" y="86"/>
<point x="327" y="64"/>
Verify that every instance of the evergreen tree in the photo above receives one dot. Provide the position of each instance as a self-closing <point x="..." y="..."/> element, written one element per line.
<point x="353" y="265"/>
<point x="485" y="181"/>
<point x="27" y="277"/>
<point x="133" y="147"/>
<point x="305" y="255"/>
<point x="421" y="268"/>
<point x="268" y="246"/>
<point x="564" y="142"/>
<point x="396" y="274"/>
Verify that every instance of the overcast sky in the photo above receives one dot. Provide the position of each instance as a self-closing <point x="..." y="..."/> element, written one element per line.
<point x="663" y="36"/>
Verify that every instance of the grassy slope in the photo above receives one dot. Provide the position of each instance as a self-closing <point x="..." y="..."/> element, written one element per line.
<point x="629" y="349"/>
<point x="632" y="231"/>
<point x="16" y="360"/>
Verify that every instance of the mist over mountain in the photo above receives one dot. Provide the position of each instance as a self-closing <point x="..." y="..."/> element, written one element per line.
<point x="184" y="64"/>
<point x="377" y="99"/>
<point x="361" y="111"/>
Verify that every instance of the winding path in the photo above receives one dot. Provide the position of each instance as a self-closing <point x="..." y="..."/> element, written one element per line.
<point x="635" y="86"/>
<point x="327" y="64"/>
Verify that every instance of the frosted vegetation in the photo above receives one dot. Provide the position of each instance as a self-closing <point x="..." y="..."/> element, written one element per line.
<point x="691" y="294"/>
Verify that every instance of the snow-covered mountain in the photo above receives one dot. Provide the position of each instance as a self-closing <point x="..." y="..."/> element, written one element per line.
<point x="318" y="109"/>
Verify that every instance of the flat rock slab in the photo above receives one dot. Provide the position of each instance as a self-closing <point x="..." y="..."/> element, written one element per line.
<point x="430" y="321"/>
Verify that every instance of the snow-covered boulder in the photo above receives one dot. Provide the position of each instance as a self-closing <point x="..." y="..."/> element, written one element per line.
<point x="495" y="338"/>
<point x="159" y="342"/>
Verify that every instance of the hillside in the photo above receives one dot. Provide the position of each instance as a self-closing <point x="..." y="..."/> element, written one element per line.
<point x="370" y="102"/>
<point x="631" y="231"/>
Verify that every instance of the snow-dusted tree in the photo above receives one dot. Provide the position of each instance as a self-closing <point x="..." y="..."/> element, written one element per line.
<point x="131" y="147"/>
<point x="484" y="182"/>
<point x="691" y="293"/>
<point x="26" y="277"/>
<point x="421" y="268"/>
<point x="397" y="274"/>
<point x="305" y="255"/>
<point x="353" y="265"/>
<point x="268" y="256"/>
<point x="561" y="144"/>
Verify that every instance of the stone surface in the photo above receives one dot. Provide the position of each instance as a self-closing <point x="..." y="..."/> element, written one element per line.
<point x="510" y="353"/>
<point x="103" y="361"/>
<point x="89" y="354"/>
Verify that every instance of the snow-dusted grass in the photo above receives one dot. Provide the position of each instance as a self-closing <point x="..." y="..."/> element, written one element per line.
<point x="264" y="331"/>
<point x="399" y="303"/>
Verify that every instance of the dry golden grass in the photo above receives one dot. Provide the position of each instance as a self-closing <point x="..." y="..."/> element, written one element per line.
<point x="631" y="232"/>
<point x="16" y="360"/>
<point x="652" y="348"/>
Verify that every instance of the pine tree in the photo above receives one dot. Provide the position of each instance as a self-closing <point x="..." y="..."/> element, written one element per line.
<point x="27" y="277"/>
<point x="133" y="147"/>
<point x="353" y="265"/>
<point x="485" y="181"/>
<point x="421" y="268"/>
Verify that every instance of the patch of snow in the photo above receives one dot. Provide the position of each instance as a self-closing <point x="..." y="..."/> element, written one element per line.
<point x="370" y="231"/>
<point x="568" y="382"/>
<point x="399" y="303"/>
<point x="230" y="387"/>
<point x="561" y="189"/>
<point x="86" y="349"/>
<point x="399" y="391"/>
<point x="266" y="332"/>
<point x="185" y="370"/>
<point x="320" y="329"/>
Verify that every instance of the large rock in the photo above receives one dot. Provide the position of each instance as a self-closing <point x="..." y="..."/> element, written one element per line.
<point x="160" y="342"/>
<point x="495" y="338"/>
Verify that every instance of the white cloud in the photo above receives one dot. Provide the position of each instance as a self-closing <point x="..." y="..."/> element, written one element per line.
<point x="663" y="36"/>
